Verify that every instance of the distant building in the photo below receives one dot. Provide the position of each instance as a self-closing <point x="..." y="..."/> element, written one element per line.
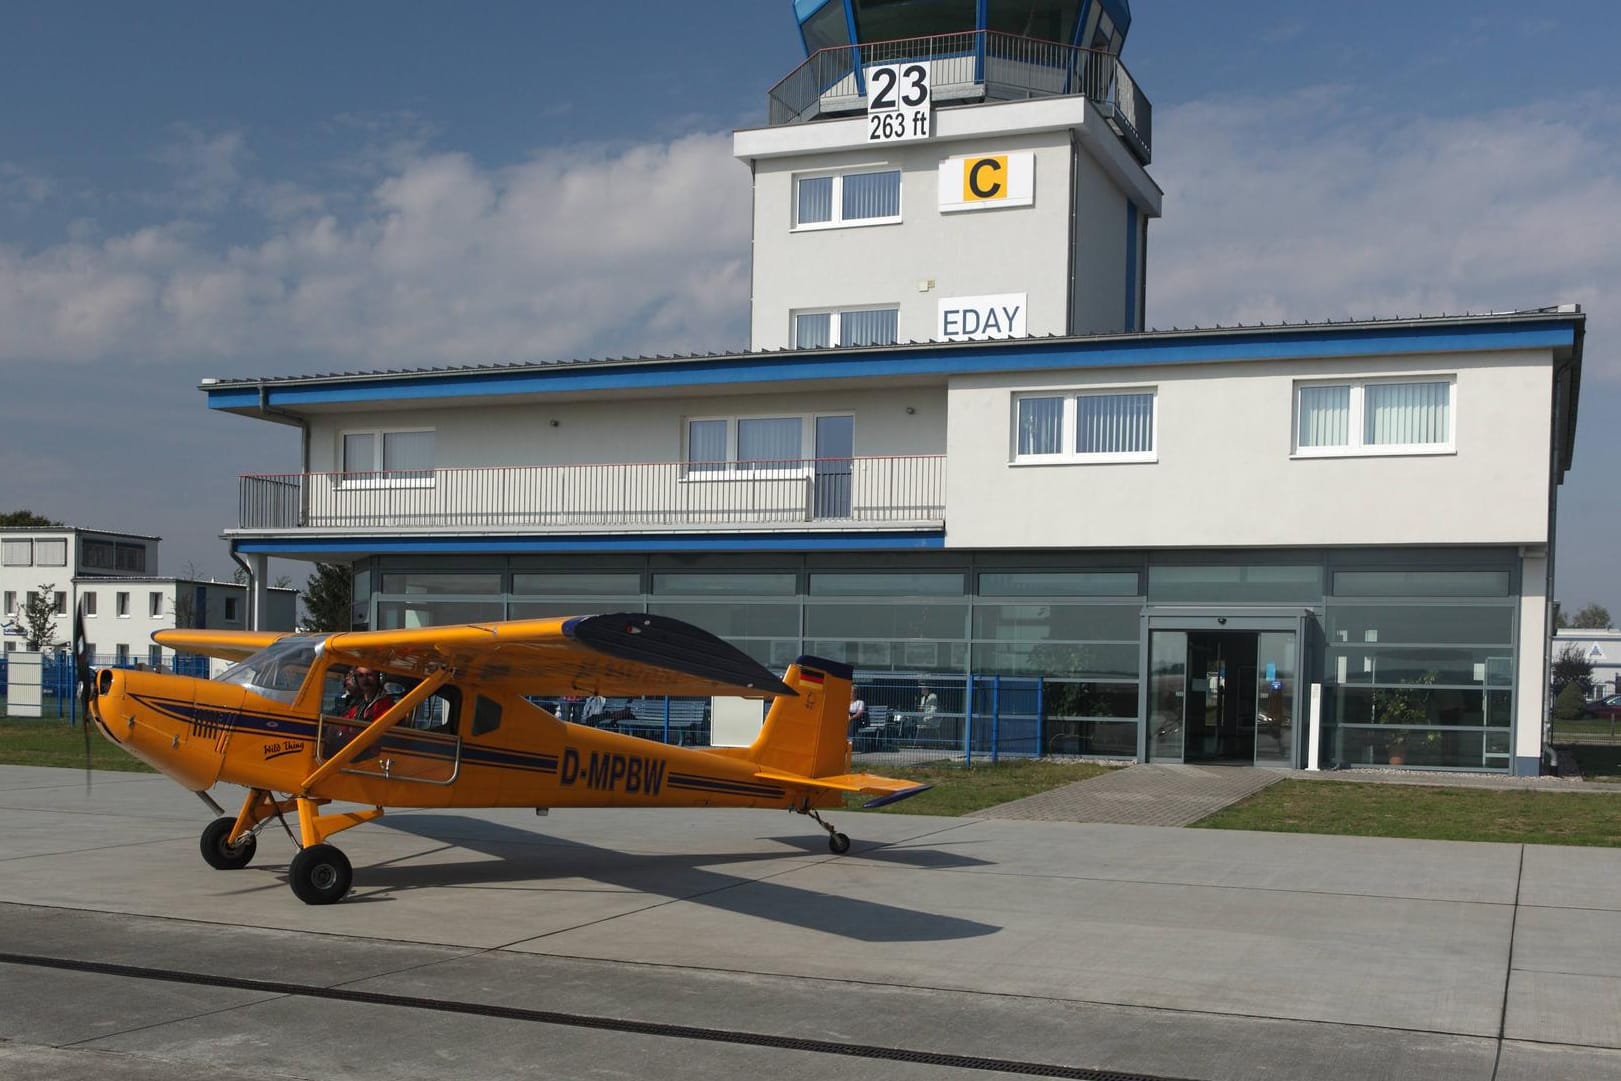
<point x="1602" y="649"/>
<point x="114" y="575"/>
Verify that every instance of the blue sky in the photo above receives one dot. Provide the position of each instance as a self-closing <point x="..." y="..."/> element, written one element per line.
<point x="190" y="190"/>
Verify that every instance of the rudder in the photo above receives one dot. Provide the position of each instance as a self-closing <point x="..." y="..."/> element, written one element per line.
<point x="808" y="734"/>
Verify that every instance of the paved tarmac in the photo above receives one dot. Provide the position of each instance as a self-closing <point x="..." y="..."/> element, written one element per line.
<point x="688" y="944"/>
<point x="1141" y="795"/>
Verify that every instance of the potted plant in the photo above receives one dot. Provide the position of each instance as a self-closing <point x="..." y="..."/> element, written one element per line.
<point x="1402" y="708"/>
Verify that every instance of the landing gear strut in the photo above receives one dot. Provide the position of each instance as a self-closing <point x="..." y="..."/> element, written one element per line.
<point x="837" y="842"/>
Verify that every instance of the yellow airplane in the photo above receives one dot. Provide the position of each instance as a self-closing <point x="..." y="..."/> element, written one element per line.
<point x="462" y="732"/>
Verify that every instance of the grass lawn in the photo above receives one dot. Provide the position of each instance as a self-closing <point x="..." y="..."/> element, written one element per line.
<point x="1443" y="814"/>
<point x="51" y="741"/>
<point x="958" y="789"/>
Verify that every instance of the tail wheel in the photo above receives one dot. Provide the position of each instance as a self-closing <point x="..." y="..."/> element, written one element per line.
<point x="220" y="855"/>
<point x="320" y="875"/>
<point x="838" y="843"/>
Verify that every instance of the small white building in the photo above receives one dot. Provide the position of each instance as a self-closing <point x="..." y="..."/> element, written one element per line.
<point x="1600" y="648"/>
<point x="115" y="576"/>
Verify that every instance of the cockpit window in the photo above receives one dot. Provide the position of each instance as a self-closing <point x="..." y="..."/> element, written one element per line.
<point x="276" y="672"/>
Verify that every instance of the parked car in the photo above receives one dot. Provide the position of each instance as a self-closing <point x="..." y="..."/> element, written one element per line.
<point x="1605" y="709"/>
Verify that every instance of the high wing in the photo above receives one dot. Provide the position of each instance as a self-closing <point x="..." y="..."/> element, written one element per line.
<point x="623" y="653"/>
<point x="225" y="645"/>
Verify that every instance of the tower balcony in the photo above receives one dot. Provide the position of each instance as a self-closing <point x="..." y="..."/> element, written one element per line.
<point x="971" y="67"/>
<point x="889" y="492"/>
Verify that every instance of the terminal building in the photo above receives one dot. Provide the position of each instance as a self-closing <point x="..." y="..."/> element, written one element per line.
<point x="952" y="452"/>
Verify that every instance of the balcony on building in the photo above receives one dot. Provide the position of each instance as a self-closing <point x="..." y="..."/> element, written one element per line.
<point x="995" y="51"/>
<point x="893" y="492"/>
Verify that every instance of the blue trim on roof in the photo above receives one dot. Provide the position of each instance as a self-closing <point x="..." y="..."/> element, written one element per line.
<point x="804" y="9"/>
<point x="1306" y="343"/>
<point x="741" y="542"/>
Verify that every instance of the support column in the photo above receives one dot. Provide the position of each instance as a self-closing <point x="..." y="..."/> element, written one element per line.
<point x="258" y="588"/>
<point x="1531" y="667"/>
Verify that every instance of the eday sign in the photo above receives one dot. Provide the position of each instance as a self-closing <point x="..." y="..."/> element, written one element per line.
<point x="977" y="319"/>
<point x="987" y="181"/>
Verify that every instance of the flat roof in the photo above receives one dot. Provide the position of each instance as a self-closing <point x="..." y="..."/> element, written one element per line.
<point x="77" y="530"/>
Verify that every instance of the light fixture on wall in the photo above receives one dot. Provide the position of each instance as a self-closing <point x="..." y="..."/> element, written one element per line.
<point x="910" y="410"/>
<point x="554" y="422"/>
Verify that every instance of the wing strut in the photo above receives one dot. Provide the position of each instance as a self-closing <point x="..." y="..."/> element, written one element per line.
<point x="374" y="731"/>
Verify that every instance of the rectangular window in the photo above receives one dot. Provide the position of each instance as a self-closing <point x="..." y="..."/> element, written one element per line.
<point x="51" y="553"/>
<point x="61" y="603"/>
<point x="393" y="457"/>
<point x="154" y="604"/>
<point x="10" y="605"/>
<point x="154" y="656"/>
<point x="90" y="604"/>
<point x="846" y="328"/>
<point x="861" y="198"/>
<point x="722" y="445"/>
<point x="232" y="605"/>
<point x="122" y="601"/>
<point x="17" y="553"/>
<point x="724" y="584"/>
<point x="1375" y="417"/>
<point x="1058" y="584"/>
<point x="1113" y="426"/>
<point x="123" y="653"/>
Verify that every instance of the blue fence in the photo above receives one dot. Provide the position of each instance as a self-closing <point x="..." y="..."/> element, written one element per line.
<point x="59" y="683"/>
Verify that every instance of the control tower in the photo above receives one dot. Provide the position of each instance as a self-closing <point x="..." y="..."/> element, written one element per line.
<point x="949" y="169"/>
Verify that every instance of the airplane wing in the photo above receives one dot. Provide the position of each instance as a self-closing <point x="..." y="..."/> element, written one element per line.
<point x="226" y="645"/>
<point x="620" y="654"/>
<point x="887" y="789"/>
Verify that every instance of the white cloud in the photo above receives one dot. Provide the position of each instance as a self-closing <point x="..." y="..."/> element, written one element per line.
<point x="1308" y="207"/>
<point x="579" y="250"/>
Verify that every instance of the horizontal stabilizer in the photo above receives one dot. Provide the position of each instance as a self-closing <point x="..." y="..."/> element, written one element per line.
<point x="887" y="789"/>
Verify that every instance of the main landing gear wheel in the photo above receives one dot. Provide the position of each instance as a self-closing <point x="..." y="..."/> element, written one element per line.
<point x="320" y="875"/>
<point x="838" y="843"/>
<point x="222" y="856"/>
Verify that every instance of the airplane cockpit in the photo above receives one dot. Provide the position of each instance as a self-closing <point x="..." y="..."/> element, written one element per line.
<point x="278" y="671"/>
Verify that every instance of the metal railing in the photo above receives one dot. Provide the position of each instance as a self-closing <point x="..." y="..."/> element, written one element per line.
<point x="894" y="490"/>
<point x="978" y="65"/>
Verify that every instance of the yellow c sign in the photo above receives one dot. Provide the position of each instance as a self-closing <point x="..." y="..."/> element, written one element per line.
<point x="984" y="179"/>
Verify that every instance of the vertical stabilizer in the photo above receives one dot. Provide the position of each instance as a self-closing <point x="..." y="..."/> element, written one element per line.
<point x="807" y="734"/>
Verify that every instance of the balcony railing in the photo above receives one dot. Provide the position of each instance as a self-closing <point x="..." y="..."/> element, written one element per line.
<point x="658" y="496"/>
<point x="976" y="65"/>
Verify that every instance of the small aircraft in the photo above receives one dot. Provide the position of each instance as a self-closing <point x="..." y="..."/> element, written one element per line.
<point x="462" y="732"/>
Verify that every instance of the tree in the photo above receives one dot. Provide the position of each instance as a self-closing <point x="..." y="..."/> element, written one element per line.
<point x="39" y="617"/>
<point x="1570" y="704"/>
<point x="1571" y="666"/>
<point x="327" y="596"/>
<point x="283" y="581"/>
<point x="27" y="517"/>
<point x="1594" y="617"/>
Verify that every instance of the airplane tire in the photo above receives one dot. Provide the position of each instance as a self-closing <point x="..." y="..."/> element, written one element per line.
<point x="838" y="843"/>
<point x="221" y="856"/>
<point x="320" y="875"/>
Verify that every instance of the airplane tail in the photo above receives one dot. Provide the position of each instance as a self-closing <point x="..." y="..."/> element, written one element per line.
<point x="807" y="734"/>
<point x="805" y="741"/>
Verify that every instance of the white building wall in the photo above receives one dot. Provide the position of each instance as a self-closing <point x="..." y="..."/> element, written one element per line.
<point x="1225" y="475"/>
<point x="1100" y="251"/>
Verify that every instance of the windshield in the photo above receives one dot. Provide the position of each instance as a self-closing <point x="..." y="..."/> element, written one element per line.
<point x="278" y="671"/>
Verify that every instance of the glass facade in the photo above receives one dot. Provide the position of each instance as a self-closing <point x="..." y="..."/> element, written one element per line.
<point x="1416" y="659"/>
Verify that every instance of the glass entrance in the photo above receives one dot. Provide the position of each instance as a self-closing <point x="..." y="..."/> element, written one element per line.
<point x="1223" y="696"/>
<point x="1275" y="699"/>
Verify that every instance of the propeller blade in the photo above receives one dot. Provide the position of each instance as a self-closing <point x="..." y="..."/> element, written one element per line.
<point x="86" y="677"/>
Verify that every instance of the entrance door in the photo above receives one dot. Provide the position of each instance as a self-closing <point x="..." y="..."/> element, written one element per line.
<point x="1275" y="699"/>
<point x="835" y="447"/>
<point x="1167" y="694"/>
<point x="1220" y="716"/>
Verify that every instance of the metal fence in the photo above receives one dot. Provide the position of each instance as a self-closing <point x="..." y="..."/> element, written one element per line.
<point x="971" y="66"/>
<point x="59" y="682"/>
<point x="896" y="489"/>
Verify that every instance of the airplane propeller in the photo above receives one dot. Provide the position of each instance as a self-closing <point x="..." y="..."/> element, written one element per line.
<point x="86" y="676"/>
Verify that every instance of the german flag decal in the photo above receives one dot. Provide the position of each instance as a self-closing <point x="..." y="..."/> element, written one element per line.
<point x="810" y="675"/>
